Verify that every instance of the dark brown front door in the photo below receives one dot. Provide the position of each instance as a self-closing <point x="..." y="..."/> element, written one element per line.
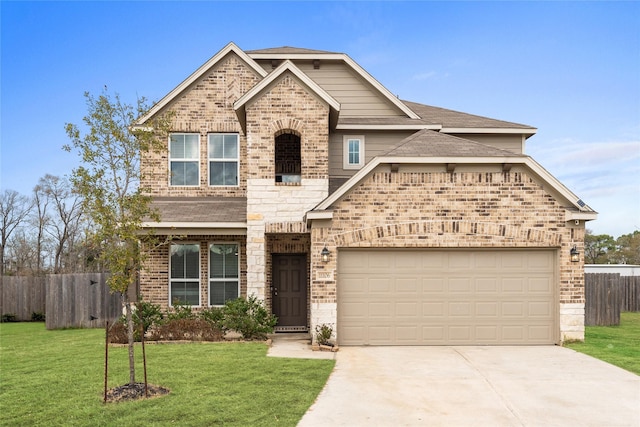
<point x="289" y="291"/>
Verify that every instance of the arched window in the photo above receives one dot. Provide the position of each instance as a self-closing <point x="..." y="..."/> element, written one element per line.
<point x="288" y="160"/>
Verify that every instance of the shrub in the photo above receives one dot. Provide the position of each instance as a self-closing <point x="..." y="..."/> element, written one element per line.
<point x="118" y="333"/>
<point x="186" y="329"/>
<point x="213" y="315"/>
<point x="249" y="317"/>
<point x="9" y="317"/>
<point x="180" y="311"/>
<point x="37" y="316"/>
<point x="323" y="334"/>
<point x="148" y="314"/>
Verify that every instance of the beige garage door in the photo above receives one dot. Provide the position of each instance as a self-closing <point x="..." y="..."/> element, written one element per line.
<point x="456" y="297"/>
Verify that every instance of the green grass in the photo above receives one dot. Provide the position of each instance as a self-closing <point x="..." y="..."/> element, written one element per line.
<point x="57" y="378"/>
<point x="618" y="345"/>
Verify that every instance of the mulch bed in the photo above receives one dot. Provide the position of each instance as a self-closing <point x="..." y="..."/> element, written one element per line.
<point x="133" y="392"/>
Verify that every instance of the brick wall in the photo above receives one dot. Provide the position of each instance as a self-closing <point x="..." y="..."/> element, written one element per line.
<point x="154" y="276"/>
<point x="205" y="107"/>
<point x="450" y="210"/>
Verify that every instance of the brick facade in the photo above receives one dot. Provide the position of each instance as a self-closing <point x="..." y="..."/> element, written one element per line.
<point x="450" y="210"/>
<point x="414" y="207"/>
<point x="154" y="277"/>
<point x="206" y="107"/>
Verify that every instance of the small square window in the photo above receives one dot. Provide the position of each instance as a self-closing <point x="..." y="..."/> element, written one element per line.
<point x="353" y="152"/>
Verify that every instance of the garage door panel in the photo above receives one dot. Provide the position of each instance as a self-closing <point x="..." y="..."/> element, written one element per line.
<point x="487" y="334"/>
<point x="486" y="309"/>
<point x="460" y="284"/>
<point x="429" y="297"/>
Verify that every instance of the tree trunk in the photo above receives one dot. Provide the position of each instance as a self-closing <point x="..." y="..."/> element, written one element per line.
<point x="132" y="366"/>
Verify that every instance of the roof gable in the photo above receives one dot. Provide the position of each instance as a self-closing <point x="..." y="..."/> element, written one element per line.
<point x="429" y="147"/>
<point x="229" y="48"/>
<point x="286" y="67"/>
<point x="290" y="53"/>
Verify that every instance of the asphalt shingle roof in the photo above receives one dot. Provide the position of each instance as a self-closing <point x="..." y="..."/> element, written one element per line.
<point x="286" y="50"/>
<point x="457" y="119"/>
<point x="201" y="209"/>
<point x="428" y="143"/>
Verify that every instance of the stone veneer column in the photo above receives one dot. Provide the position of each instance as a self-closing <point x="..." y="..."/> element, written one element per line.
<point x="269" y="202"/>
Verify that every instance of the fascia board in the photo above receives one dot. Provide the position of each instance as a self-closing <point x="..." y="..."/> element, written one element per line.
<point x="231" y="47"/>
<point x="525" y="131"/>
<point x="580" y="216"/>
<point x="536" y="168"/>
<point x="282" y="68"/>
<point x="531" y="164"/>
<point x="319" y="215"/>
<point x="391" y="97"/>
<point x="354" y="65"/>
<point x="387" y="127"/>
<point x="208" y="228"/>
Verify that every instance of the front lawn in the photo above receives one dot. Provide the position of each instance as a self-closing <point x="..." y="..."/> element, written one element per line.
<point x="56" y="378"/>
<point x="618" y="345"/>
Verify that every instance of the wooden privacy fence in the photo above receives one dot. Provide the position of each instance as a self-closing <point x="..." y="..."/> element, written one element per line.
<point x="80" y="300"/>
<point x="22" y="296"/>
<point x="67" y="300"/>
<point x="606" y="295"/>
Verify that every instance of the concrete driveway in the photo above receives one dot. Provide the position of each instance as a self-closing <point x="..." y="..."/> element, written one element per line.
<point x="475" y="386"/>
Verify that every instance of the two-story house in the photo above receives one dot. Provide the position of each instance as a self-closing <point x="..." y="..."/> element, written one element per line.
<point x="294" y="175"/>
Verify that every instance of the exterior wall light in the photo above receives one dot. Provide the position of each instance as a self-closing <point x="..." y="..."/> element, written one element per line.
<point x="575" y="255"/>
<point x="325" y="254"/>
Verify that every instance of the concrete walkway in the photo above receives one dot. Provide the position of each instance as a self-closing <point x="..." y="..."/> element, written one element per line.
<point x="469" y="386"/>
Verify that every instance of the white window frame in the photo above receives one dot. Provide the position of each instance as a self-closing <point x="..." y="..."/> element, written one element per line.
<point x="223" y="159"/>
<point x="345" y="151"/>
<point x="198" y="280"/>
<point x="212" y="280"/>
<point x="196" y="160"/>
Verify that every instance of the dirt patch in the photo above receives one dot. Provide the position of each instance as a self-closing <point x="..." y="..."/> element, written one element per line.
<point x="134" y="391"/>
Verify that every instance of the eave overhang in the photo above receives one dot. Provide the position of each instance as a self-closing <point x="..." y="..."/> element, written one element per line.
<point x="196" y="228"/>
<point x="519" y="131"/>
<point x="369" y="126"/>
<point x="354" y="65"/>
<point x="578" y="208"/>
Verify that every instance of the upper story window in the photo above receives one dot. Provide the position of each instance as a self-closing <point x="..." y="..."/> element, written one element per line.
<point x="353" y="152"/>
<point x="184" y="279"/>
<point x="184" y="158"/>
<point x="224" y="159"/>
<point x="288" y="160"/>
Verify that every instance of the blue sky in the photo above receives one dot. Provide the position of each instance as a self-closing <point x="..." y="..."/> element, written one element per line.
<point x="571" y="69"/>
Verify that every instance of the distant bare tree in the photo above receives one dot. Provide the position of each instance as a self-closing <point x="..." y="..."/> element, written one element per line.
<point x="14" y="209"/>
<point x="65" y="221"/>
<point x="21" y="256"/>
<point x="39" y="220"/>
